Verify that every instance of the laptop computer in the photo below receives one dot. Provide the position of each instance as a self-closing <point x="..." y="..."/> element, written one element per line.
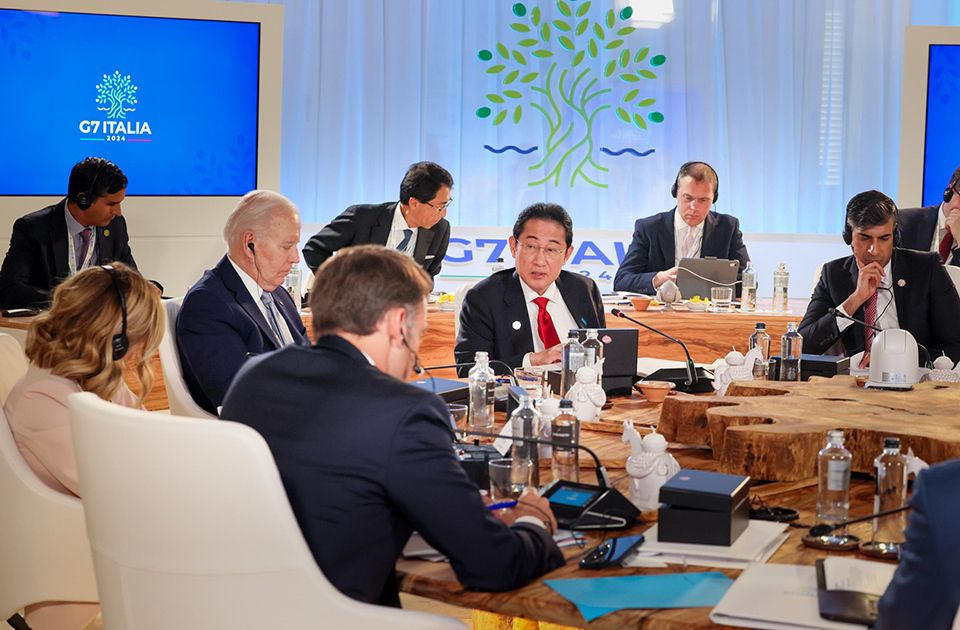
<point x="696" y="276"/>
<point x="619" y="358"/>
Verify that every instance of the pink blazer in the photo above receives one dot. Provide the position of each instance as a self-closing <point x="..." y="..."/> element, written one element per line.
<point x="36" y="409"/>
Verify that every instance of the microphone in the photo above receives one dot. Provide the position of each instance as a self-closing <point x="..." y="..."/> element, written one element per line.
<point x="839" y="313"/>
<point x="824" y="529"/>
<point x="691" y="382"/>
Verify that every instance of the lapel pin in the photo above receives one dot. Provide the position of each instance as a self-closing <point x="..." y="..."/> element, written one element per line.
<point x="901" y="282"/>
<point x="106" y="232"/>
<point x="516" y="325"/>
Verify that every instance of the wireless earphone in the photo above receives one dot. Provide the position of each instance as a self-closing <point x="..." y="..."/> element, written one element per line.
<point x="120" y="344"/>
<point x="680" y="173"/>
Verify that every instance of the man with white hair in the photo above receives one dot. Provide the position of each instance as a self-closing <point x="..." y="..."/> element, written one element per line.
<point x="236" y="310"/>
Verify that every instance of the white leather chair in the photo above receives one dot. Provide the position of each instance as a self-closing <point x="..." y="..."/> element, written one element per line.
<point x="13" y="364"/>
<point x="954" y="273"/>
<point x="816" y="278"/>
<point x="178" y="396"/>
<point x="459" y="293"/>
<point x="191" y="529"/>
<point x="44" y="553"/>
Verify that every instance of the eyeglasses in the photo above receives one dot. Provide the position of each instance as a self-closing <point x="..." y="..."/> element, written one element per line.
<point x="691" y="199"/>
<point x="551" y="253"/>
<point x="438" y="209"/>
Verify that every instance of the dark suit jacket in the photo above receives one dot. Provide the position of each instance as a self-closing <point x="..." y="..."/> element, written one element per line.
<point x="363" y="224"/>
<point x="491" y="308"/>
<point x="917" y="226"/>
<point x="218" y="325"/>
<point x="927" y="305"/>
<point x="37" y="259"/>
<point x="653" y="248"/>
<point x="925" y="591"/>
<point x="366" y="459"/>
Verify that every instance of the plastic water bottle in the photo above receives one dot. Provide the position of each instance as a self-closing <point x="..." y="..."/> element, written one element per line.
<point x="574" y="357"/>
<point x="781" y="277"/>
<point x="292" y="284"/>
<point x="566" y="429"/>
<point x="833" y="470"/>
<point x="760" y="339"/>
<point x="748" y="297"/>
<point x="791" y="347"/>
<point x="499" y="266"/>
<point x="593" y="350"/>
<point x="482" y="383"/>
<point x="525" y="467"/>
<point x="891" y="493"/>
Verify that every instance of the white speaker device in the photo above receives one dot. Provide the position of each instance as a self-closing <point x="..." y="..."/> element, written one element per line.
<point x="893" y="360"/>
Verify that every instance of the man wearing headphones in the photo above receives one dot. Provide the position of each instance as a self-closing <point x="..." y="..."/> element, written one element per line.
<point x="932" y="229"/>
<point x="85" y="229"/>
<point x="883" y="285"/>
<point x="690" y="230"/>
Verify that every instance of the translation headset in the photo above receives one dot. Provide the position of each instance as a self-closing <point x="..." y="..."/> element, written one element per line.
<point x="681" y="173"/>
<point x="848" y="230"/>
<point x="119" y="343"/>
<point x="948" y="193"/>
<point x="85" y="199"/>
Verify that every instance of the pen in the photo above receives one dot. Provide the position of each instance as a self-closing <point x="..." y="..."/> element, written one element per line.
<point x="584" y="322"/>
<point x="502" y="506"/>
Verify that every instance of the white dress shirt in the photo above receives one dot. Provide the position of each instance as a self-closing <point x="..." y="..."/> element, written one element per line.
<point x="939" y="233"/>
<point x="255" y="292"/>
<point x="562" y="319"/>
<point x="396" y="233"/>
<point x="680" y="231"/>
<point x="886" y="306"/>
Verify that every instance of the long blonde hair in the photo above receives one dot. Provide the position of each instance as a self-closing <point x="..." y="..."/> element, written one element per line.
<point x="73" y="339"/>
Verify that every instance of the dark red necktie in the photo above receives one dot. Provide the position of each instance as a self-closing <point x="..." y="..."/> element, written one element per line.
<point x="545" y="327"/>
<point x="946" y="245"/>
<point x="870" y="316"/>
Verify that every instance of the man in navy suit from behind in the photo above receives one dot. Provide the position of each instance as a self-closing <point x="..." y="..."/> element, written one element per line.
<point x="690" y="230"/>
<point x="367" y="458"/>
<point x="236" y="309"/>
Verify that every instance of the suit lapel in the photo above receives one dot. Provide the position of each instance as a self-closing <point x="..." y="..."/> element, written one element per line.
<point x="901" y="294"/>
<point x="288" y="310"/>
<point x="380" y="232"/>
<point x="235" y="285"/>
<point x="706" y="247"/>
<point x="424" y="238"/>
<point x="515" y="310"/>
<point x="58" y="240"/>
<point x="578" y="305"/>
<point x="852" y="274"/>
<point x="666" y="240"/>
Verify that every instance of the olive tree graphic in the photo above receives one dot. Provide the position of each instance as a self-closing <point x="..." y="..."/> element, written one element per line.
<point x="115" y="91"/>
<point x="570" y="94"/>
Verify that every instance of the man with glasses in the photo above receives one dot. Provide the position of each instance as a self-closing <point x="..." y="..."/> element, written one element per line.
<point x="415" y="225"/>
<point x="934" y="228"/>
<point x="519" y="316"/>
<point x="690" y="230"/>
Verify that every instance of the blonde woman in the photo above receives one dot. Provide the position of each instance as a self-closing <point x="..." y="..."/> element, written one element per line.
<point x="98" y="319"/>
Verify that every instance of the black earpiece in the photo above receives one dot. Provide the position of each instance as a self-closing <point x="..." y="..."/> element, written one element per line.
<point x="848" y="231"/>
<point x="85" y="199"/>
<point x="252" y="248"/>
<point x="948" y="193"/>
<point x="416" y="359"/>
<point x="120" y="344"/>
<point x="680" y="173"/>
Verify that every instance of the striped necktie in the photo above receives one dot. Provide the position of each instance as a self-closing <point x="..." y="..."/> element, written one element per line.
<point x="407" y="234"/>
<point x="267" y="299"/>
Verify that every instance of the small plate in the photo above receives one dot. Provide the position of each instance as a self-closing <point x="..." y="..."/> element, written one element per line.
<point x="698" y="307"/>
<point x="448" y="307"/>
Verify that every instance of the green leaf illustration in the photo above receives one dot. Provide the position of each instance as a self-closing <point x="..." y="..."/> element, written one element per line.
<point x="527" y="78"/>
<point x="542" y="54"/>
<point x="610" y="18"/>
<point x="624" y="57"/>
<point x="560" y="25"/>
<point x="512" y="94"/>
<point x="566" y="42"/>
<point x="611" y="66"/>
<point x="614" y="44"/>
<point x="564" y="8"/>
<point x="599" y="31"/>
<point x="520" y="27"/>
<point x="622" y="113"/>
<point x="495" y="69"/>
<point x="495" y="98"/>
<point x="626" y="30"/>
<point x="500" y="118"/>
<point x="647" y="74"/>
<point x="511" y="77"/>
<point x="485" y="55"/>
<point x="545" y="32"/>
<point x="582" y="11"/>
<point x="592" y="48"/>
<point x="647" y="102"/>
<point x="483" y="112"/>
<point x="503" y="51"/>
<point x="577" y="58"/>
<point x="535" y="16"/>
<point x="638" y="119"/>
<point x="626" y="13"/>
<point x="517" y="113"/>
<point x="658" y="60"/>
<point x="632" y="94"/>
<point x="582" y="26"/>
<point x="641" y="55"/>
<point x="526" y="43"/>
<point x="656" y="117"/>
<point x="519" y="10"/>
<point x="629" y="78"/>
<point x="519" y="57"/>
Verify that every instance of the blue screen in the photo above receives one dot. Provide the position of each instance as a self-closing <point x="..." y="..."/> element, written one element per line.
<point x="566" y="495"/>
<point x="941" y="155"/>
<point x="172" y="102"/>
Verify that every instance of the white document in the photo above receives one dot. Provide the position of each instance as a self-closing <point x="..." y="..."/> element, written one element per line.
<point x="850" y="574"/>
<point x="776" y="596"/>
<point x="757" y="543"/>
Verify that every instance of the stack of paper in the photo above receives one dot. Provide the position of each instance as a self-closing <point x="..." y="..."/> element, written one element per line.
<point x="756" y="544"/>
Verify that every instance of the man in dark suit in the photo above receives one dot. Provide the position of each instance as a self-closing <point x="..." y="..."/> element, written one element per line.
<point x="366" y="458"/>
<point x="238" y="308"/>
<point x="690" y="230"/>
<point x="415" y="225"/>
<point x="925" y="590"/>
<point x="520" y="316"/>
<point x="85" y="229"/>
<point x="883" y="285"/>
<point x="932" y="229"/>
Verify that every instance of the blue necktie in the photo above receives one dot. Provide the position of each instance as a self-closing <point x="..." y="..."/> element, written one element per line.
<point x="267" y="300"/>
<point x="407" y="234"/>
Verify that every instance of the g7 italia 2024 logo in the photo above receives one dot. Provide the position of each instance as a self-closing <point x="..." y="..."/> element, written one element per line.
<point x="116" y="95"/>
<point x="593" y="68"/>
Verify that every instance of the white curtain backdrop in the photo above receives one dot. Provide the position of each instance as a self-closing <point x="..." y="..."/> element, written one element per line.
<point x="796" y="105"/>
